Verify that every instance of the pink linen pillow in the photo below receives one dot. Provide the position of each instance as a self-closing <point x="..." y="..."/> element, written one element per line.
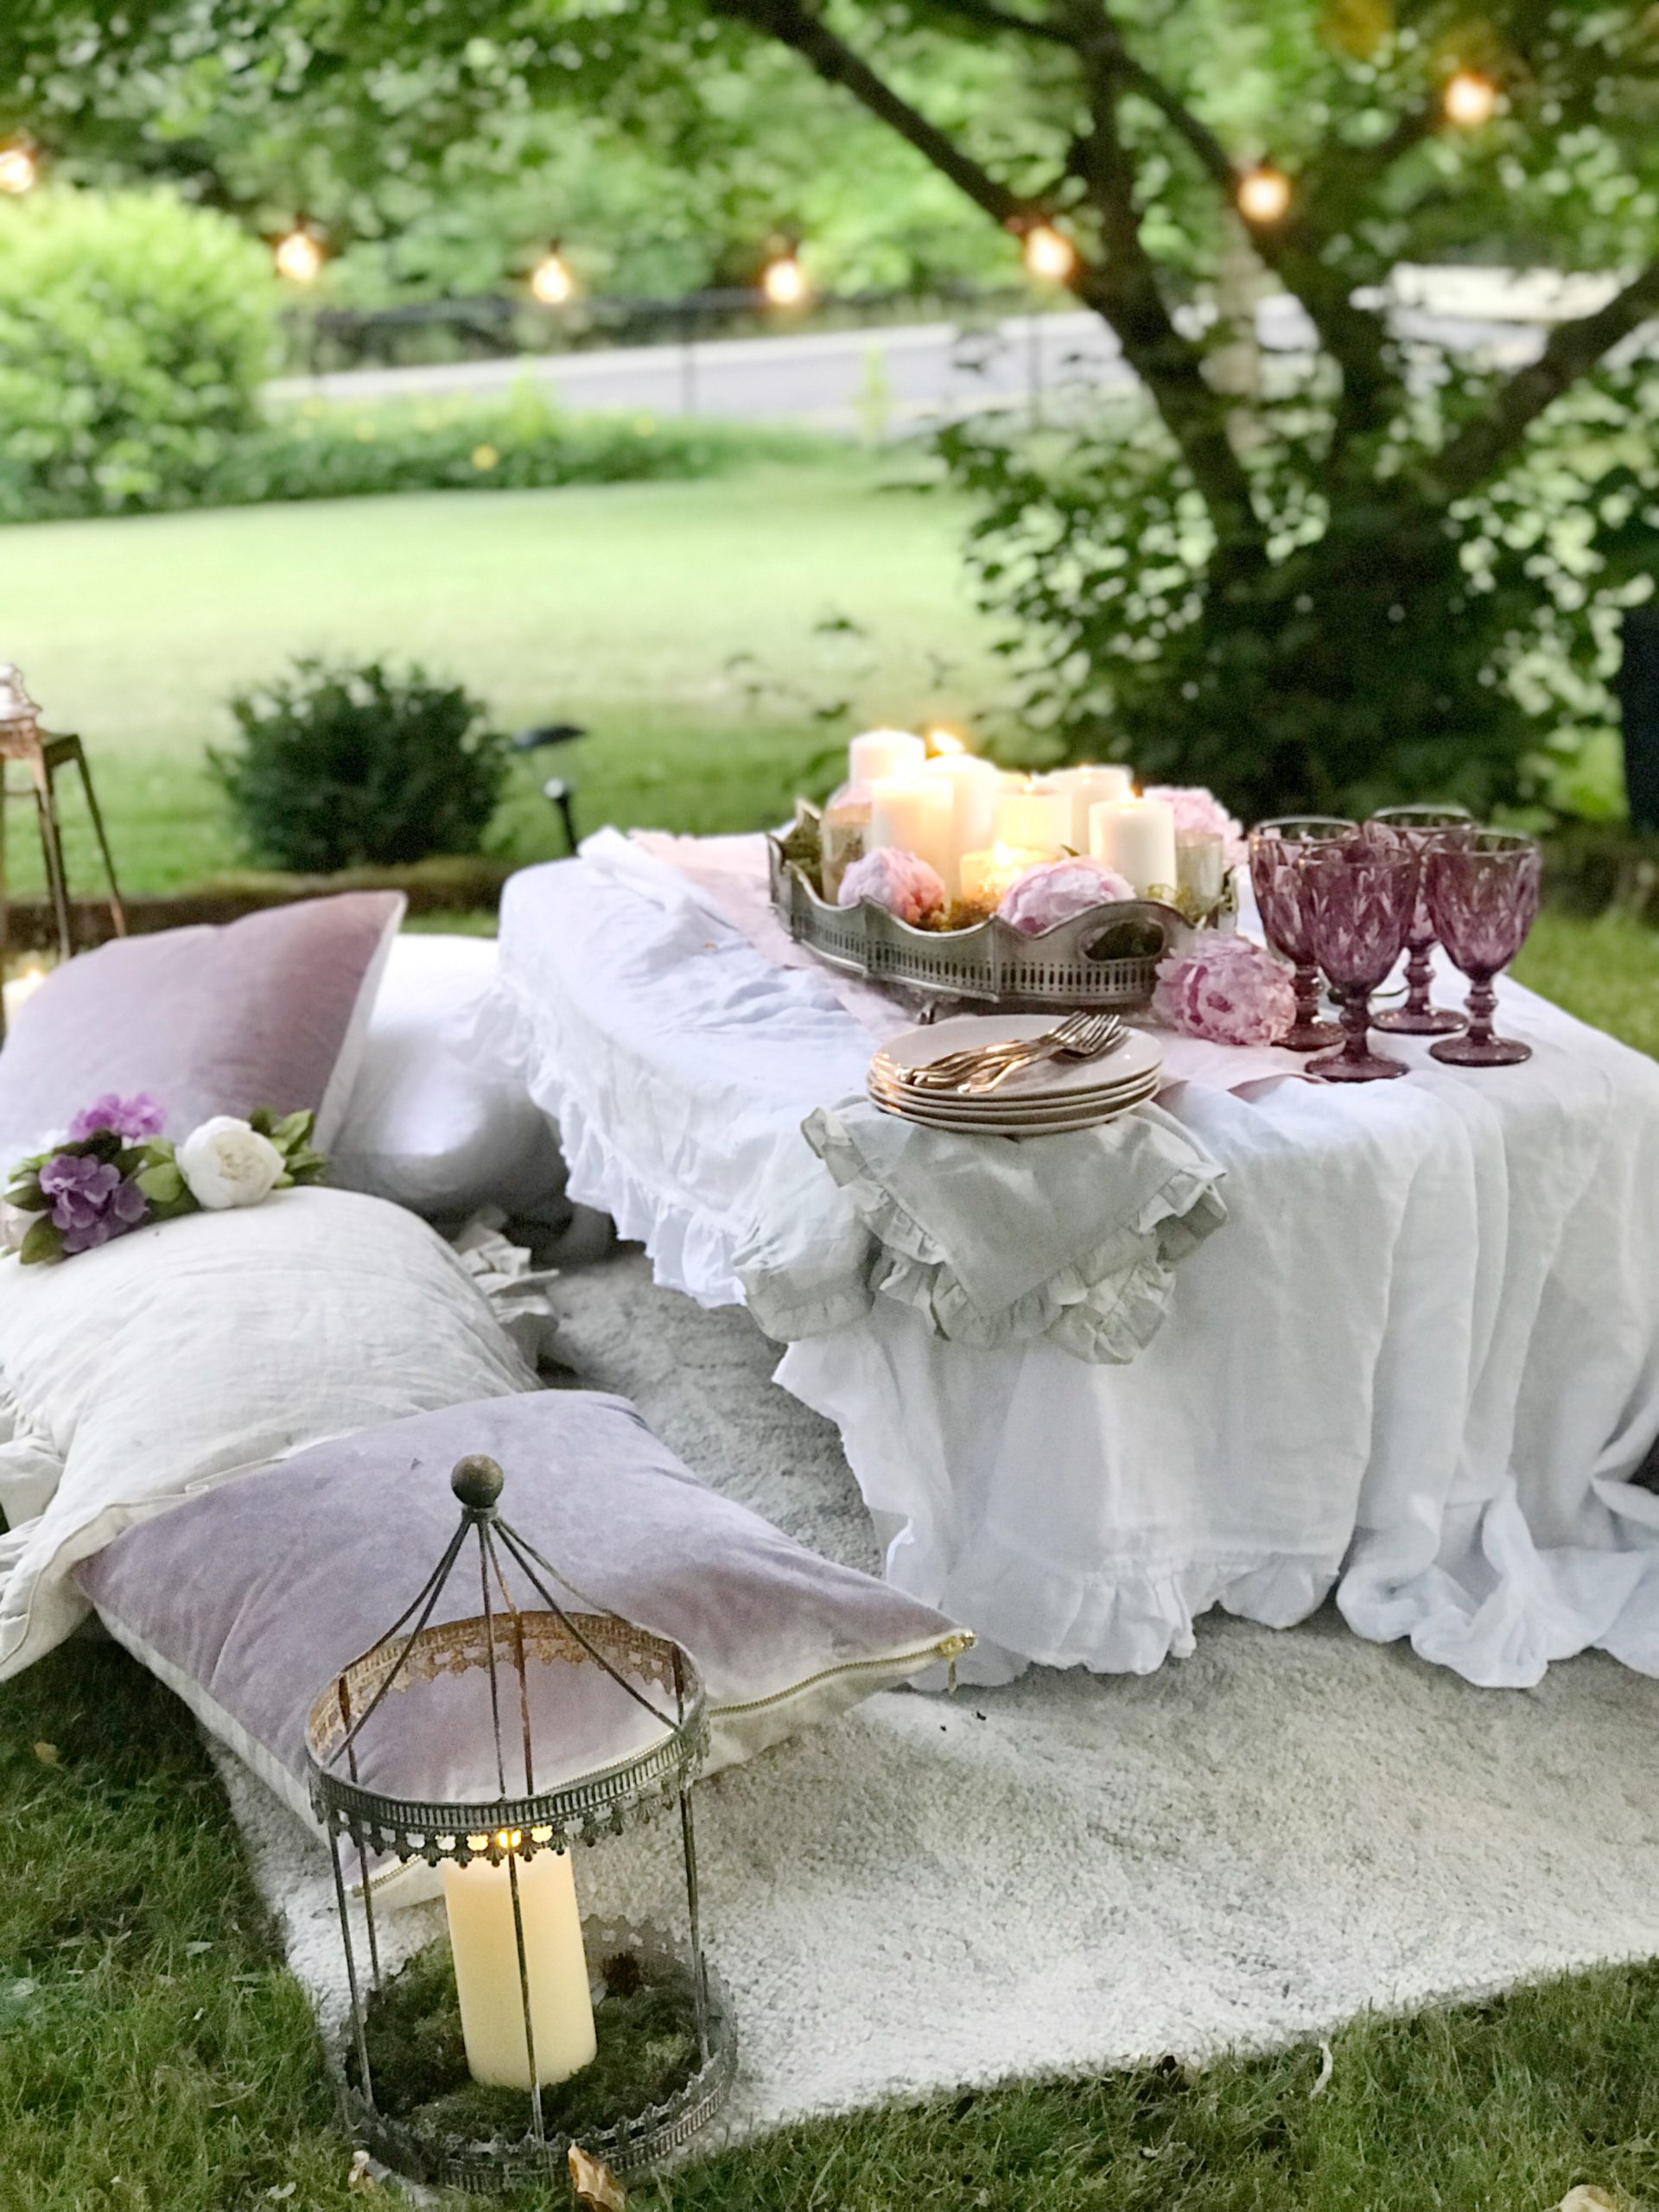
<point x="248" y="1599"/>
<point x="269" y="1011"/>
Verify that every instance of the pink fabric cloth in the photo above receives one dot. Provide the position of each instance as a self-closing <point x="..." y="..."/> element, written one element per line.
<point x="731" y="873"/>
<point x="269" y="1011"/>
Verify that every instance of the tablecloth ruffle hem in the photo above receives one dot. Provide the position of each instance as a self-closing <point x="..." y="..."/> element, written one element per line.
<point x="689" y="1250"/>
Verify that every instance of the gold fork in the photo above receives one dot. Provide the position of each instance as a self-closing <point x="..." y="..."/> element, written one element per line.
<point x="1100" y="1033"/>
<point x="946" y="1072"/>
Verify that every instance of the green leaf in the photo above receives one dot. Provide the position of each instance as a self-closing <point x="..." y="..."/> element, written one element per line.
<point x="42" y="1247"/>
<point x="161" y="1184"/>
<point x="293" y="1129"/>
<point x="26" y="1195"/>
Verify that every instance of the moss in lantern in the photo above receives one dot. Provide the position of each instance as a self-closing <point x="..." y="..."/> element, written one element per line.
<point x="647" y="2027"/>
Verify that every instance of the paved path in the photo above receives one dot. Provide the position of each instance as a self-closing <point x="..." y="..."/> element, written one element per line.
<point x="889" y="378"/>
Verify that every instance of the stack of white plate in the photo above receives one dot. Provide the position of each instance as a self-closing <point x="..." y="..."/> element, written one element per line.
<point x="1047" y="1100"/>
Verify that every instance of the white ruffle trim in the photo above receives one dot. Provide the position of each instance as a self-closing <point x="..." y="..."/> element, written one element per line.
<point x="1104" y="1307"/>
<point x="1122" y="1620"/>
<point x="688" y="1251"/>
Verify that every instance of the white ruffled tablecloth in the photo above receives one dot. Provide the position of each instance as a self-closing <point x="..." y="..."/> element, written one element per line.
<point x="1420" y="1366"/>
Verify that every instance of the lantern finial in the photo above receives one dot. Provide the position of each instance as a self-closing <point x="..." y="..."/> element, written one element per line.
<point x="477" y="1483"/>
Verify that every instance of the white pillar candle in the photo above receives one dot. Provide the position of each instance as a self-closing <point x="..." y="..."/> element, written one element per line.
<point x="1089" y="785"/>
<point x="986" y="875"/>
<point x="915" y="813"/>
<point x="884" y="753"/>
<point x="1137" y="837"/>
<point x="1036" y="817"/>
<point x="478" y="1898"/>
<point x="975" y="787"/>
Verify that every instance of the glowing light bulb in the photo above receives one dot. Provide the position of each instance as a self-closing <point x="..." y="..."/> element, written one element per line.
<point x="785" y="282"/>
<point x="551" y="279"/>
<point x="1049" y="254"/>
<point x="1264" y="195"/>
<point x="299" y="257"/>
<point x="19" y="170"/>
<point x="1469" y="99"/>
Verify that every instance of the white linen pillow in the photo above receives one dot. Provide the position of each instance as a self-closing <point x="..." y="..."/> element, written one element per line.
<point x="425" y="1127"/>
<point x="195" y="1349"/>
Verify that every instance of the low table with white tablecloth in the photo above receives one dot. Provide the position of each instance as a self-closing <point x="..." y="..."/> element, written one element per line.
<point x="1419" y="1363"/>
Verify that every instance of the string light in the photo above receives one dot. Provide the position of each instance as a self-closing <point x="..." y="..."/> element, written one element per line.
<point x="1264" y="195"/>
<point x="19" y="171"/>
<point x="299" y="256"/>
<point x="1049" y="255"/>
<point x="784" y="281"/>
<point x="552" y="280"/>
<point x="1469" y="99"/>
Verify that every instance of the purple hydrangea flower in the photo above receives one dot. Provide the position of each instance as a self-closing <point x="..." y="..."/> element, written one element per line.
<point x="133" y="1119"/>
<point x="91" y="1199"/>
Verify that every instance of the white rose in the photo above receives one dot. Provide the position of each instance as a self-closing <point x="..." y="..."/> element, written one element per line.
<point x="225" y="1163"/>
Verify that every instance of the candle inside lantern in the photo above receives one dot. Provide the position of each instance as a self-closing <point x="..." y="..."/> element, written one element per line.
<point x="884" y="753"/>
<point x="1137" y="837"/>
<point x="987" y="875"/>
<point x="22" y="988"/>
<point x="1092" y="784"/>
<point x="975" y="787"/>
<point x="915" y="813"/>
<point x="478" y="1898"/>
<point x="1036" y="816"/>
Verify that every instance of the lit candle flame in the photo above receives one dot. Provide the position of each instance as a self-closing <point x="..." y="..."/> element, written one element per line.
<point x="940" y="740"/>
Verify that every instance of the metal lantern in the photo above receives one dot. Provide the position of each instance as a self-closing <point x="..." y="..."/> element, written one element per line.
<point x="433" y="1746"/>
<point x="24" y="744"/>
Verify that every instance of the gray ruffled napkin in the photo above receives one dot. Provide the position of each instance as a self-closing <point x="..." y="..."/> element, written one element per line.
<point x="998" y="1242"/>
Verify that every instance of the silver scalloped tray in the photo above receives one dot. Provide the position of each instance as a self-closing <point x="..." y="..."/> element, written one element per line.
<point x="1107" y="958"/>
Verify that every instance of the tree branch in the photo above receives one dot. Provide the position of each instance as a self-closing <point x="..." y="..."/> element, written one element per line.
<point x="990" y="17"/>
<point x="794" y="25"/>
<point x="1481" y="448"/>
<point x="1123" y="287"/>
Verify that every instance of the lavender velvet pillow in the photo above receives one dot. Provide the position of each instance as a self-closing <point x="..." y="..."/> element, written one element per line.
<point x="248" y="1600"/>
<point x="269" y="1011"/>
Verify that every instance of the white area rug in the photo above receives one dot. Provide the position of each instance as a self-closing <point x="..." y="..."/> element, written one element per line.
<point x="1076" y="1873"/>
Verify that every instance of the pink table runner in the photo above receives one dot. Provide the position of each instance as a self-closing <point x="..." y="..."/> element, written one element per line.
<point x="731" y="874"/>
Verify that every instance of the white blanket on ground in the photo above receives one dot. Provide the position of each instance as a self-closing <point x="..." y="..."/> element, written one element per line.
<point x="197" y="1349"/>
<point x="1421" y="1364"/>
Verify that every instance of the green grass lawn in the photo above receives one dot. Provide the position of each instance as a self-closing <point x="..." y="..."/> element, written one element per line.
<point x="627" y="608"/>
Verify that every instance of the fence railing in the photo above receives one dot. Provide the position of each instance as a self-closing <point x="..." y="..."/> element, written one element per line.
<point x="496" y="326"/>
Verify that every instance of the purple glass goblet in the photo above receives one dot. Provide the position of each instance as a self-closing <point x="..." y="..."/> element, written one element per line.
<point x="1483" y="895"/>
<point x="1420" y="827"/>
<point x="1358" y="896"/>
<point x="1277" y="849"/>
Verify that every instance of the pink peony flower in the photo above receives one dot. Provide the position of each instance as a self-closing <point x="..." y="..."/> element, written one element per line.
<point x="1227" y="990"/>
<point x="1198" y="812"/>
<point x="1054" y="891"/>
<point x="901" y="882"/>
